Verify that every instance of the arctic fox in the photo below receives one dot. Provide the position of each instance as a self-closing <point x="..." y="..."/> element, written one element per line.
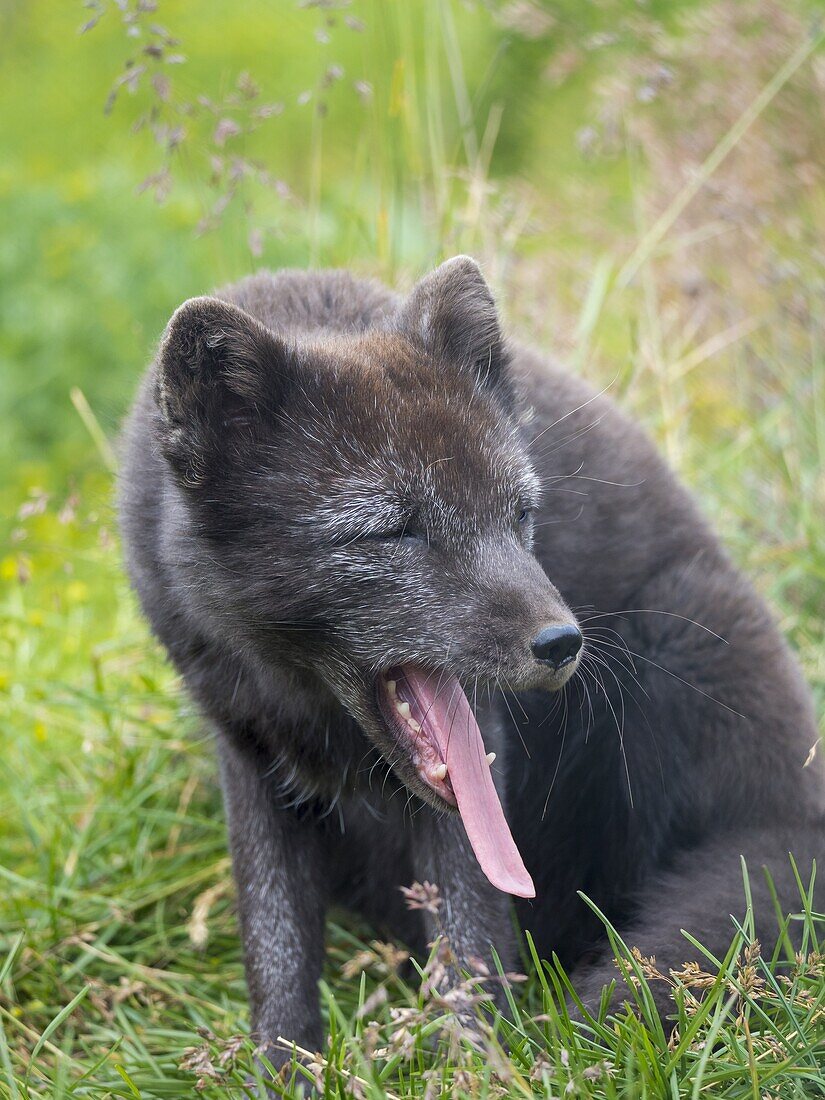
<point x="451" y="618"/>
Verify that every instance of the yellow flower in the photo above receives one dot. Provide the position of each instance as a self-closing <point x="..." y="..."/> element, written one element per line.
<point x="77" y="591"/>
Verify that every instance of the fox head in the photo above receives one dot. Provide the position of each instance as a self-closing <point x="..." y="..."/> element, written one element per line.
<point x="364" y="502"/>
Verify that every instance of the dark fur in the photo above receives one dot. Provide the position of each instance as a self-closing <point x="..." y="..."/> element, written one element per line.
<point x="296" y="413"/>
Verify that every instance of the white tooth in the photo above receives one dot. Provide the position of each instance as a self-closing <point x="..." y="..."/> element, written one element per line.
<point x="403" y="709"/>
<point x="439" y="772"/>
<point x="391" y="687"/>
<point x="414" y="726"/>
<point x="490" y="757"/>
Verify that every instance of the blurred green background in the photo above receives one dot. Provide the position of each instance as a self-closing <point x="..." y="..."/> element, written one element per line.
<point x="644" y="183"/>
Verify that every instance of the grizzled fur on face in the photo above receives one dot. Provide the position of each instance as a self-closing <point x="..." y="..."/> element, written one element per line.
<point x="324" y="480"/>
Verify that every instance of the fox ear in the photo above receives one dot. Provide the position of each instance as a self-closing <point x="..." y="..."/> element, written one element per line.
<point x="219" y="371"/>
<point x="453" y="314"/>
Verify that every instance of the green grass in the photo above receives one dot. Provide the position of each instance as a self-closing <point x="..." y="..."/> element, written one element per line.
<point x="119" y="950"/>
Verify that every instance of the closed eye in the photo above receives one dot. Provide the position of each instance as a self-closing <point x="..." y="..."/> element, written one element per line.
<point x="398" y="534"/>
<point x="524" y="515"/>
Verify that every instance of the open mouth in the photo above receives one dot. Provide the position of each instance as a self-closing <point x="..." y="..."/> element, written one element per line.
<point x="410" y="720"/>
<point x="430" y="718"/>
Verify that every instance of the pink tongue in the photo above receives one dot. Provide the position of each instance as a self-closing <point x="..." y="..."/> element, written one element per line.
<point x="451" y="723"/>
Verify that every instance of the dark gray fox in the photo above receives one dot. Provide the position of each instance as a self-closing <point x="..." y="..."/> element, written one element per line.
<point x="366" y="529"/>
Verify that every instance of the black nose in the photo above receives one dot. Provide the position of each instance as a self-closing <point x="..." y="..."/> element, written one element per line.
<point x="557" y="646"/>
